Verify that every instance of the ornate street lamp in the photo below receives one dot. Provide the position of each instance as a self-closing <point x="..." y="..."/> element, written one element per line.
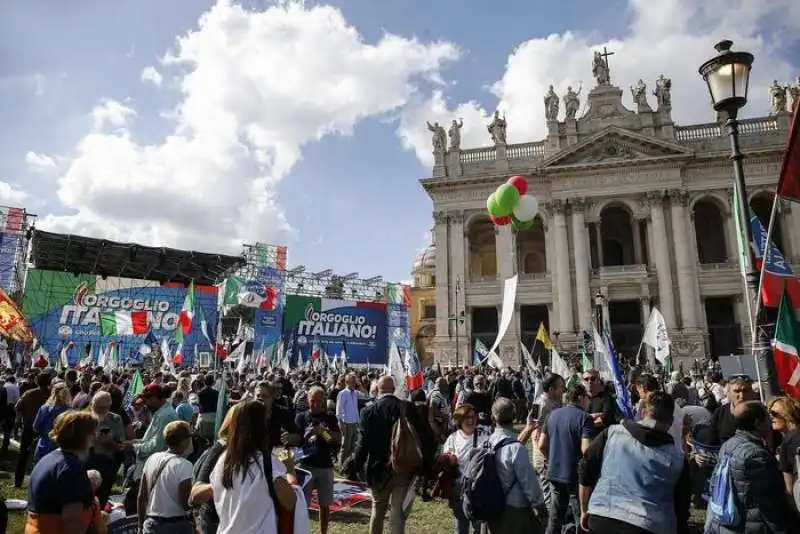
<point x="728" y="79"/>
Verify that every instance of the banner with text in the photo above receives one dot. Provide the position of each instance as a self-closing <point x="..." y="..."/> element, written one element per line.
<point x="268" y="322"/>
<point x="359" y="327"/>
<point x="63" y="307"/>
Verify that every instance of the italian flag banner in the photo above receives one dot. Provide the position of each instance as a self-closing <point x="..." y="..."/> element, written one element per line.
<point x="187" y="312"/>
<point x="123" y="323"/>
<point x="785" y="348"/>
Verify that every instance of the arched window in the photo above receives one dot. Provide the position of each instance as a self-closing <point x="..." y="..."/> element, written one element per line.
<point x="482" y="248"/>
<point x="709" y="231"/>
<point x="616" y="236"/>
<point x="532" y="248"/>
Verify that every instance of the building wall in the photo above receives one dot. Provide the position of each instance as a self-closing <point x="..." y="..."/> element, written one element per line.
<point x="641" y="161"/>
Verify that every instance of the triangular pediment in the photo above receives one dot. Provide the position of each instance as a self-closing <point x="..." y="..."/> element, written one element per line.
<point x="615" y="145"/>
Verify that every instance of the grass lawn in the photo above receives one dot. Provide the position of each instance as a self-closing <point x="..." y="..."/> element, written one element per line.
<point x="426" y="517"/>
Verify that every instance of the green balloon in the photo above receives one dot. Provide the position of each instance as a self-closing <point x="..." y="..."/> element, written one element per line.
<point x="520" y="225"/>
<point x="493" y="207"/>
<point x="506" y="197"/>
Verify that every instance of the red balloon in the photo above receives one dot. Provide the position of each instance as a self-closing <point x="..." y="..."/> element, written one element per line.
<point x="501" y="221"/>
<point x="519" y="183"/>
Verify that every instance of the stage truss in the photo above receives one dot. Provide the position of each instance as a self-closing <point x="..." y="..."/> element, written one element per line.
<point x="15" y="234"/>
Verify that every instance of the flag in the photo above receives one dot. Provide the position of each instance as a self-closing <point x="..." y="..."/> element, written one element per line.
<point x="222" y="403"/>
<point x="187" y="311"/>
<point x="528" y="358"/>
<point x="414" y="377"/>
<point x="316" y="349"/>
<point x="123" y="323"/>
<point x="112" y="357"/>
<point x="64" y="355"/>
<point x="86" y="361"/>
<point x="229" y="291"/>
<point x="397" y="371"/>
<point x="789" y="181"/>
<point x="541" y="345"/>
<point x="177" y="358"/>
<point x="586" y="363"/>
<point x="147" y="346"/>
<point x="481" y="352"/>
<point x="204" y="325"/>
<point x="623" y="395"/>
<point x="655" y="335"/>
<point x="136" y="386"/>
<point x="778" y="275"/>
<point x="785" y="343"/>
<point x="558" y="365"/>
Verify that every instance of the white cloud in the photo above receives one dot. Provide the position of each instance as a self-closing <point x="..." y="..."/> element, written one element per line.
<point x="150" y="74"/>
<point x="672" y="37"/>
<point x="111" y="112"/>
<point x="255" y="88"/>
<point x="11" y="195"/>
<point x="39" y="162"/>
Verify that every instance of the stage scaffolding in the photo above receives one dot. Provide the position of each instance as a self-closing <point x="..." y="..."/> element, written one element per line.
<point x="15" y="233"/>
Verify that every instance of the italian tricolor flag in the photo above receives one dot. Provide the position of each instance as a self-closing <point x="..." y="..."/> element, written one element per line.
<point x="187" y="312"/>
<point x="784" y="348"/>
<point x="177" y="358"/>
<point x="123" y="323"/>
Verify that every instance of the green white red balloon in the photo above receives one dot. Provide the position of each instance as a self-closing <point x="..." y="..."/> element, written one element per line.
<point x="510" y="203"/>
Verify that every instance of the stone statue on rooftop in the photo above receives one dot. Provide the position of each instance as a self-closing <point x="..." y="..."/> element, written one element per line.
<point x="572" y="102"/>
<point x="497" y="129"/>
<point x="794" y="94"/>
<point x="455" y="134"/>
<point x="600" y="68"/>
<point x="551" y="105"/>
<point x="663" y="93"/>
<point x="777" y="97"/>
<point x="439" y="137"/>
<point x="639" y="92"/>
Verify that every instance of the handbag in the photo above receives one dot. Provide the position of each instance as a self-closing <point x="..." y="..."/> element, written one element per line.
<point x="284" y="515"/>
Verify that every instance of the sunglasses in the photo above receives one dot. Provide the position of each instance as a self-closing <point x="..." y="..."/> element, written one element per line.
<point x="590" y="379"/>
<point x="775" y="415"/>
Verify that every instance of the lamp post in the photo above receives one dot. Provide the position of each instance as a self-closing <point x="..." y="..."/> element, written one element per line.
<point x="599" y="300"/>
<point x="457" y="318"/>
<point x="727" y="76"/>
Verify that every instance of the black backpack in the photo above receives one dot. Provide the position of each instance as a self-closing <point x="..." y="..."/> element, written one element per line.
<point x="483" y="497"/>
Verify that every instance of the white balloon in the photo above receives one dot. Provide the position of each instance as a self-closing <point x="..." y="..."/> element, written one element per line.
<point x="526" y="208"/>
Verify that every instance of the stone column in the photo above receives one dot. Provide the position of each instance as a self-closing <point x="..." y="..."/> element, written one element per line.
<point x="645" y="300"/>
<point x="661" y="258"/>
<point x="637" y="242"/>
<point x="580" y="242"/>
<point x="599" y="238"/>
<point x="552" y="268"/>
<point x="442" y="275"/>
<point x="732" y="242"/>
<point x="564" y="283"/>
<point x="458" y="273"/>
<point x="684" y="262"/>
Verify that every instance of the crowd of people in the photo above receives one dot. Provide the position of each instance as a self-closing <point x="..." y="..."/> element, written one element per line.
<point x="509" y="451"/>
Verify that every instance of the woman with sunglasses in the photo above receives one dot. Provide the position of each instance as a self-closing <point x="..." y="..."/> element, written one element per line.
<point x="784" y="414"/>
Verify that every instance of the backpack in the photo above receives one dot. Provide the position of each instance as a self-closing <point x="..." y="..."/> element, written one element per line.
<point x="405" y="451"/>
<point x="483" y="497"/>
<point x="723" y="503"/>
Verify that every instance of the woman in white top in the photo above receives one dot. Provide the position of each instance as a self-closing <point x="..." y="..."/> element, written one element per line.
<point x="460" y="444"/>
<point x="244" y="486"/>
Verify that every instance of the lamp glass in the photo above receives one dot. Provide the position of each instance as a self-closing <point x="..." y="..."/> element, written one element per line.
<point x="728" y="81"/>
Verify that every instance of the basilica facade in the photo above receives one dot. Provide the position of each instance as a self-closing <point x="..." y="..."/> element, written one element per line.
<point x="635" y="211"/>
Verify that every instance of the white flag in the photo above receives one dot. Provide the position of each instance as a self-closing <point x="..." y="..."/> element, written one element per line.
<point x="655" y="336"/>
<point x="397" y="371"/>
<point x="528" y="358"/>
<point x="558" y="365"/>
<point x="601" y="357"/>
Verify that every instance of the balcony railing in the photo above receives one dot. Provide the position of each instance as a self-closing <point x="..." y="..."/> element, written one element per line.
<point x="712" y="130"/>
<point x="620" y="270"/>
<point x="476" y="155"/>
<point x="726" y="266"/>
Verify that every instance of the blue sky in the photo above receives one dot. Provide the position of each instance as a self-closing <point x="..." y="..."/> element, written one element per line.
<point x="304" y="124"/>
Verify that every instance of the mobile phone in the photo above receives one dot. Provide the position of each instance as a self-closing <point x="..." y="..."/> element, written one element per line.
<point x="533" y="415"/>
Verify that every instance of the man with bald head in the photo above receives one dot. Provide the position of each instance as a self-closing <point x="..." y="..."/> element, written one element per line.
<point x="105" y="456"/>
<point x="373" y="451"/>
<point x="764" y="503"/>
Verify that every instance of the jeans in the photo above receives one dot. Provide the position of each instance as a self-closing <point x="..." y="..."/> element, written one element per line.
<point x="107" y="466"/>
<point x="462" y="523"/>
<point x="208" y="526"/>
<point x="563" y="499"/>
<point x="25" y="445"/>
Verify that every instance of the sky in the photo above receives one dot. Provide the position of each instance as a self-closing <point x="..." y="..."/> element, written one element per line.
<point x="206" y="124"/>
